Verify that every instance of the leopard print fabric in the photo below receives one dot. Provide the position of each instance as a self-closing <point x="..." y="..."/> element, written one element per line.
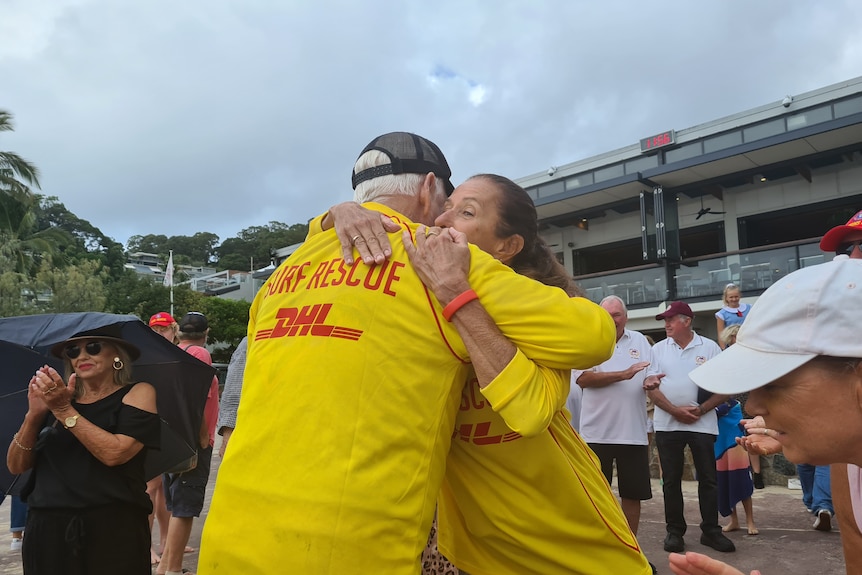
<point x="433" y="563"/>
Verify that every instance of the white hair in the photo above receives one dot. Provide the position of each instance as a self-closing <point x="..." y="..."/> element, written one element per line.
<point x="617" y="299"/>
<point x="389" y="185"/>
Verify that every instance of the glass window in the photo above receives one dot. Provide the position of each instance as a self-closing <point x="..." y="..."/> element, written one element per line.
<point x="533" y="193"/>
<point x="809" y="117"/>
<point x="765" y="130"/>
<point x="579" y="181"/>
<point x="552" y="189"/>
<point x="722" y="142"/>
<point x="642" y="163"/>
<point x="609" y="173"/>
<point x="848" y="107"/>
<point x="683" y="152"/>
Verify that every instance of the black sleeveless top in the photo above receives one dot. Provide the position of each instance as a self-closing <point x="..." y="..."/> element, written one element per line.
<point x="67" y="476"/>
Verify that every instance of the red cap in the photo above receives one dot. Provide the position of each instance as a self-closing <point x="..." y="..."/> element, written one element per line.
<point x="676" y="308"/>
<point x="834" y="237"/>
<point x="162" y="318"/>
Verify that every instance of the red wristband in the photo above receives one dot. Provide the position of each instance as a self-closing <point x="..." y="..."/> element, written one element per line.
<point x="460" y="301"/>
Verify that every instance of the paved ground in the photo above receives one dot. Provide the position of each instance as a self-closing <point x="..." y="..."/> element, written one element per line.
<point x="786" y="544"/>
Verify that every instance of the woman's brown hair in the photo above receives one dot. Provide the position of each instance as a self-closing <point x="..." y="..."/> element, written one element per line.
<point x="518" y="216"/>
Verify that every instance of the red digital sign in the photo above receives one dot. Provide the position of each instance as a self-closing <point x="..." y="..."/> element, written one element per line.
<point x="658" y="141"/>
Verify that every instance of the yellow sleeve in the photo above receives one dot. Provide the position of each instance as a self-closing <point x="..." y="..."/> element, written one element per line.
<point x="315" y="226"/>
<point x="543" y="322"/>
<point x="527" y="395"/>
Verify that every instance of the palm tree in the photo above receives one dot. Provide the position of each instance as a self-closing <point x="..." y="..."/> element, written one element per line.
<point x="17" y="175"/>
<point x="22" y="244"/>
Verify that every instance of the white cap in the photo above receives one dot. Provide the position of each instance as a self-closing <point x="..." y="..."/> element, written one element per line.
<point x="813" y="311"/>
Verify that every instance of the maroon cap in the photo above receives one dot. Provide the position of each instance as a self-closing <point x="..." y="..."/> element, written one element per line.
<point x="676" y="308"/>
<point x="833" y="238"/>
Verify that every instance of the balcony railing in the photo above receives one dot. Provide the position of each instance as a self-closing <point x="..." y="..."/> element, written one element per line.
<point x="753" y="270"/>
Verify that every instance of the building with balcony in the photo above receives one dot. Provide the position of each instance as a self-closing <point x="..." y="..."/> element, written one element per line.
<point x="742" y="199"/>
<point x="146" y="265"/>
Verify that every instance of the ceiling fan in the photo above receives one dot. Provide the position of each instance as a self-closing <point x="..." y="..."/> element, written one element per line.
<point x="703" y="211"/>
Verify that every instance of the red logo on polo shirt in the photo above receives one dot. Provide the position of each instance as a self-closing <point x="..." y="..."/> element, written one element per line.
<point x="700" y="360"/>
<point x="634" y="353"/>
<point x="304" y="321"/>
<point x="480" y="434"/>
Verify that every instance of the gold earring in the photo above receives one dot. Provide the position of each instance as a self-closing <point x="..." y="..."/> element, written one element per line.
<point x="118" y="364"/>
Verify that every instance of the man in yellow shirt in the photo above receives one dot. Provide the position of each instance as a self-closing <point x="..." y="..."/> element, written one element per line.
<point x="353" y="380"/>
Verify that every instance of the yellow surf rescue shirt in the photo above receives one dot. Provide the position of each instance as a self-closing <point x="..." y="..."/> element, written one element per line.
<point x="351" y="386"/>
<point x="529" y="498"/>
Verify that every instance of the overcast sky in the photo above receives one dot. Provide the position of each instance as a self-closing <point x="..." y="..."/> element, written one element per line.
<point x="182" y="116"/>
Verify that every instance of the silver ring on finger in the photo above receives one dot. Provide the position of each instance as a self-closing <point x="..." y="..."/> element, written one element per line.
<point x="356" y="237"/>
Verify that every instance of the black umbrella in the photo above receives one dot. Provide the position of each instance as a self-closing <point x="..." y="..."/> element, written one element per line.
<point x="19" y="365"/>
<point x="181" y="380"/>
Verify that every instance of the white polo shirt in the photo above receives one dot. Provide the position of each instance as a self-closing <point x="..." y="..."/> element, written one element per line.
<point x="616" y="413"/>
<point x="676" y="363"/>
<point x="573" y="401"/>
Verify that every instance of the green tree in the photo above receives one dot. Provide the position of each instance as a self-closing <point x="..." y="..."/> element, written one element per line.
<point x="75" y="288"/>
<point x="228" y="321"/>
<point x="17" y="175"/>
<point x="150" y="243"/>
<point x="200" y="248"/>
<point x="258" y="243"/>
<point x="22" y="244"/>
<point x="15" y="293"/>
<point x="83" y="239"/>
<point x="136" y="295"/>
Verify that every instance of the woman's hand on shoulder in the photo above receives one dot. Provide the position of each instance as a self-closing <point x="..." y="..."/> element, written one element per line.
<point x="142" y="396"/>
<point x="364" y="229"/>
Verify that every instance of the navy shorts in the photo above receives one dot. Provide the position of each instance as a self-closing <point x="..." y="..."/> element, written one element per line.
<point x="185" y="492"/>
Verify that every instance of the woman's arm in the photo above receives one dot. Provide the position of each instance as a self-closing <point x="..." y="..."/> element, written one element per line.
<point x="525" y="394"/>
<point x="443" y="265"/>
<point x="528" y="395"/>
<point x="719" y="325"/>
<point x="109" y="448"/>
<point x="20" y="456"/>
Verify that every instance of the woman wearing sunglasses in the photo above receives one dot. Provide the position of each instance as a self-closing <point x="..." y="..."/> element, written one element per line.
<point x="85" y="437"/>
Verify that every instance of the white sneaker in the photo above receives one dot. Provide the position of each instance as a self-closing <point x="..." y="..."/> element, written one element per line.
<point x="823" y="521"/>
<point x="17" y="544"/>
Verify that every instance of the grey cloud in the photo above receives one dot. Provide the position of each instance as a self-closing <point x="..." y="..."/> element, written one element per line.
<point x="246" y="112"/>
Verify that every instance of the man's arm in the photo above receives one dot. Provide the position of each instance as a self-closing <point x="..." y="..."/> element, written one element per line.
<point x="593" y="379"/>
<point x="231" y="394"/>
<point x="684" y="414"/>
<point x="714" y="401"/>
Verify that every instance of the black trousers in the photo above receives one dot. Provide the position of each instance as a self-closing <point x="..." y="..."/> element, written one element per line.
<point x="101" y="541"/>
<point x="671" y="446"/>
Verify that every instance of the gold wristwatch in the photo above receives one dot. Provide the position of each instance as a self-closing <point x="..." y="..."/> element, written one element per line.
<point x="71" y="421"/>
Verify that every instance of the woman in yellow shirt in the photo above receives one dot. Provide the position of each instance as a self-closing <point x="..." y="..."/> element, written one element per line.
<point x="522" y="492"/>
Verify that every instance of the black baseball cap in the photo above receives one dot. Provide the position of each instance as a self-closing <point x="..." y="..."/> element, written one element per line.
<point x="194" y="322"/>
<point x="408" y="154"/>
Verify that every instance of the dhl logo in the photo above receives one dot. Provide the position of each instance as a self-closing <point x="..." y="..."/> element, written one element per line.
<point x="307" y="320"/>
<point x="478" y="434"/>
